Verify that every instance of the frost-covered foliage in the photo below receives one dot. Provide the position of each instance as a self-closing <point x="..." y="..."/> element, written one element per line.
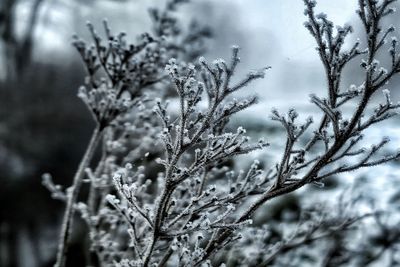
<point x="164" y="192"/>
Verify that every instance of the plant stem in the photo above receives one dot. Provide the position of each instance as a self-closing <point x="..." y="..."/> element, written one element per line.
<point x="72" y="195"/>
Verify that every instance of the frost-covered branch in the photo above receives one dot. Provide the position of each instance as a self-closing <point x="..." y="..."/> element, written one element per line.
<point x="335" y="131"/>
<point x="163" y="191"/>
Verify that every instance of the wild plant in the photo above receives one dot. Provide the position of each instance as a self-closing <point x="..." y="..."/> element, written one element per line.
<point x="164" y="191"/>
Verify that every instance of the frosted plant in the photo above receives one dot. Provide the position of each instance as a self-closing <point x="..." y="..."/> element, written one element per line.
<point x="164" y="193"/>
<point x="293" y="242"/>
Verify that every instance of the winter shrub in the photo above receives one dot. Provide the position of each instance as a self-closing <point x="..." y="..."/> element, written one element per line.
<point x="164" y="191"/>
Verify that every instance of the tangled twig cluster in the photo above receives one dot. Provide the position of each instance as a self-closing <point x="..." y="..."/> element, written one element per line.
<point x="162" y="193"/>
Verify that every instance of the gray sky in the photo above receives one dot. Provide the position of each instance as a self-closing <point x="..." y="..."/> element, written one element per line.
<point x="271" y="32"/>
<point x="285" y="18"/>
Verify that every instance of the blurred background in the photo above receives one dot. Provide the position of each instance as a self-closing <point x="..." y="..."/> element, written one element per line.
<point x="44" y="127"/>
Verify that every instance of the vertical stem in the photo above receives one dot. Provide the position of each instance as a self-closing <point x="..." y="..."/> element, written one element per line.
<point x="72" y="195"/>
<point x="164" y="199"/>
<point x="93" y="191"/>
<point x="160" y="211"/>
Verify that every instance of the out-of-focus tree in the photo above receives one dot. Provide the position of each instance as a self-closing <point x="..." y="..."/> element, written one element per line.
<point x="35" y="101"/>
<point x="17" y="46"/>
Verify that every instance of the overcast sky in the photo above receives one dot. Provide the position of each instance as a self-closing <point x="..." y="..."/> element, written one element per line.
<point x="276" y="36"/>
<point x="285" y="18"/>
<point x="271" y="32"/>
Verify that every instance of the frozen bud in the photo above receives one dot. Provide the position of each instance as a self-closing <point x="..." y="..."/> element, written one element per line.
<point x="82" y="93"/>
<point x="112" y="199"/>
<point x="348" y="27"/>
<point x="81" y="206"/>
<point x="205" y="223"/>
<point x="241" y="130"/>
<point x="175" y="245"/>
<point x="159" y="161"/>
<point x="172" y="61"/>
<point x="117" y="177"/>
<point x="230" y="207"/>
<point x="383" y="70"/>
<point x="200" y="85"/>
<point x="258" y="73"/>
<point x="386" y="92"/>
<point x="293" y="113"/>
<point x="307" y="24"/>
<point x="235" y="47"/>
<point x="128" y="166"/>
<point x="89" y="24"/>
<point x="185" y="238"/>
<point x="219" y="62"/>
<point x="363" y="63"/>
<point x="202" y="60"/>
<point x="190" y="82"/>
<point x="171" y="67"/>
<point x="46" y="178"/>
<point x="191" y="66"/>
<point x="246" y="139"/>
<point x="321" y="15"/>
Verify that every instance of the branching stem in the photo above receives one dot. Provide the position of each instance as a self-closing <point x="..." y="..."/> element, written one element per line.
<point x="72" y="196"/>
